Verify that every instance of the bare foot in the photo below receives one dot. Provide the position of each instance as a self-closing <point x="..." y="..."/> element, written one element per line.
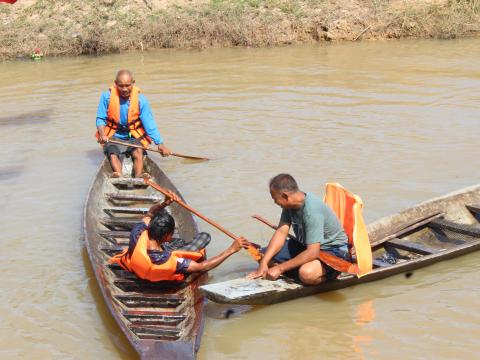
<point x="145" y="176"/>
<point x="116" y="174"/>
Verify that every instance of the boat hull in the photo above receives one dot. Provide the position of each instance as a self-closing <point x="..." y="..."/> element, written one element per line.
<point x="434" y="231"/>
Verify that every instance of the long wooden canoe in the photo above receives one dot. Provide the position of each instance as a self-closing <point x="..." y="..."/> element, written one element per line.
<point x="433" y="231"/>
<point x="161" y="320"/>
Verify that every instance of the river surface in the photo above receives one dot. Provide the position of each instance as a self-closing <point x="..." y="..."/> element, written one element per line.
<point x="396" y="123"/>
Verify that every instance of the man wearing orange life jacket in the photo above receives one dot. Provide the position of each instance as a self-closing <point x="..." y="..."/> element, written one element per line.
<point x="154" y="255"/>
<point x="125" y="114"/>
<point x="315" y="225"/>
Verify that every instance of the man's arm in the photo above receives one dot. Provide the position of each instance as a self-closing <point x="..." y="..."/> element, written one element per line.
<point x="274" y="246"/>
<point x="150" y="126"/>
<point x="218" y="259"/>
<point x="101" y="120"/>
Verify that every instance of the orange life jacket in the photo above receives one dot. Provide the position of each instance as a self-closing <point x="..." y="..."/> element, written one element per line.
<point x="348" y="208"/>
<point x="141" y="265"/>
<point x="134" y="124"/>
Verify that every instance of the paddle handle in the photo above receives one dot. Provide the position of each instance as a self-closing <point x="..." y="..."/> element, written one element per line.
<point x="192" y="210"/>
<point x="154" y="150"/>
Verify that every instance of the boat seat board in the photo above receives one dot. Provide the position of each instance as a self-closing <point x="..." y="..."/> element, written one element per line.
<point x="128" y="182"/>
<point x="133" y="197"/>
<point x="124" y="223"/>
<point x="464" y="229"/>
<point x="125" y="210"/>
<point x="115" y="234"/>
<point x="159" y="301"/>
<point x="412" y="246"/>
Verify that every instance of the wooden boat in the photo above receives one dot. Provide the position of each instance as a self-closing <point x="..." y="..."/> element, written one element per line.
<point x="433" y="231"/>
<point x="161" y="320"/>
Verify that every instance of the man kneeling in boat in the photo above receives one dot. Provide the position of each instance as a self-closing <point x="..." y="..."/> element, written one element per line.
<point x="124" y="114"/>
<point x="153" y="254"/>
<point x="315" y="226"/>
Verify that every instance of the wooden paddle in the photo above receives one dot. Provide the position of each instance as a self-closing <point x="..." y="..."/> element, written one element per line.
<point x="253" y="249"/>
<point x="119" y="142"/>
<point x="329" y="259"/>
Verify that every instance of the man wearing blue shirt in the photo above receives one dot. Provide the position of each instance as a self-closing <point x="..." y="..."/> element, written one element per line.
<point x="125" y="114"/>
<point x="315" y="226"/>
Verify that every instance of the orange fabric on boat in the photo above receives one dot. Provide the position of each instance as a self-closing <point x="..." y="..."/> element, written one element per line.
<point x="134" y="124"/>
<point x="348" y="208"/>
<point x="141" y="264"/>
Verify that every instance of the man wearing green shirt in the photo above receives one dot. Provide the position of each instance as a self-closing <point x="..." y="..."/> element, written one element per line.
<point x="315" y="226"/>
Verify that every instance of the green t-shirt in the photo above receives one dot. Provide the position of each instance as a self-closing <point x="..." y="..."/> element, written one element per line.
<point x="314" y="222"/>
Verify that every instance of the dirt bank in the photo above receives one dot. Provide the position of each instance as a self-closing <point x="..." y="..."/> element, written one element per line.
<point x="103" y="26"/>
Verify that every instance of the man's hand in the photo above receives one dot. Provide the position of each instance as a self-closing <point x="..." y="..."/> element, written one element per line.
<point x="170" y="197"/>
<point x="274" y="273"/>
<point x="102" y="139"/>
<point x="260" y="273"/>
<point x="165" y="151"/>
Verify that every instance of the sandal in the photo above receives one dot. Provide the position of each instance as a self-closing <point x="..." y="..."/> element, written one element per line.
<point x="145" y="176"/>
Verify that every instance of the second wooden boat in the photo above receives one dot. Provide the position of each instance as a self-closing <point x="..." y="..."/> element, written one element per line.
<point x="433" y="231"/>
<point x="161" y="320"/>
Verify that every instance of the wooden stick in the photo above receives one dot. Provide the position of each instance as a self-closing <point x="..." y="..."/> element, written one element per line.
<point x="253" y="249"/>
<point x="119" y="142"/>
<point x="329" y="259"/>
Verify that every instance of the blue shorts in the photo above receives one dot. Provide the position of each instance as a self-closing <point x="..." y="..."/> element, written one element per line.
<point x="292" y="248"/>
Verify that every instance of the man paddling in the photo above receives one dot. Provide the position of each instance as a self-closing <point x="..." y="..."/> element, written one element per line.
<point x="153" y="254"/>
<point x="125" y="114"/>
<point x="315" y="226"/>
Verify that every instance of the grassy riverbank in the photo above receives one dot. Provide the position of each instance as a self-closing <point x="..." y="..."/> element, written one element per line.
<point x="104" y="26"/>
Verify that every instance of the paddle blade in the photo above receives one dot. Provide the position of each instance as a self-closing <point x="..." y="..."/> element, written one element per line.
<point x="254" y="251"/>
<point x="338" y="263"/>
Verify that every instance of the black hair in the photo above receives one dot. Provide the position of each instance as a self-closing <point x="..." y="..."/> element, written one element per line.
<point x="283" y="182"/>
<point x="161" y="224"/>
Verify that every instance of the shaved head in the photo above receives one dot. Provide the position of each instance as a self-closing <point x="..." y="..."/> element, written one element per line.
<point x="124" y="82"/>
<point x="124" y="73"/>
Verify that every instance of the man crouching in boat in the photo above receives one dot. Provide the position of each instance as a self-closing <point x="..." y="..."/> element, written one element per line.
<point x="315" y="226"/>
<point x="153" y="254"/>
<point x="124" y="114"/>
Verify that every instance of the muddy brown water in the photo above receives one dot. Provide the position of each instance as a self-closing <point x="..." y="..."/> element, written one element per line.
<point x="396" y="123"/>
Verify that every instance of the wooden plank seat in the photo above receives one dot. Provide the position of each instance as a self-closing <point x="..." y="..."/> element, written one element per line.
<point x="128" y="183"/>
<point x="125" y="210"/>
<point x="155" y="300"/>
<point x="129" y="282"/>
<point x="115" y="234"/>
<point x="140" y="318"/>
<point x="412" y="247"/>
<point x="155" y="332"/>
<point x="464" y="229"/>
<point x="110" y="251"/>
<point x="133" y="197"/>
<point x="116" y="223"/>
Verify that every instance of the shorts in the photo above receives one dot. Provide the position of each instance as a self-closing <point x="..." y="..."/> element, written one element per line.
<point x="292" y="248"/>
<point x="119" y="150"/>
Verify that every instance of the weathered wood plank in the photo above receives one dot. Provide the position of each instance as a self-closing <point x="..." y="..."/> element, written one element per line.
<point x="411" y="226"/>
<point x="412" y="247"/>
<point x="125" y="210"/>
<point x="133" y="197"/>
<point x="464" y="229"/>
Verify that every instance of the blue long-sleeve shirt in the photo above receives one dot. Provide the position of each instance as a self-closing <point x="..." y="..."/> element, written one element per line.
<point x="146" y="117"/>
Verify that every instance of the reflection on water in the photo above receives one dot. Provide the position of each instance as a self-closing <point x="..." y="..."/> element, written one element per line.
<point x="37" y="117"/>
<point x="396" y="123"/>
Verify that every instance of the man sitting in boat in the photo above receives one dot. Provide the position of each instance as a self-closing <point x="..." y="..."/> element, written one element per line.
<point x="315" y="226"/>
<point x="153" y="254"/>
<point x="124" y="114"/>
